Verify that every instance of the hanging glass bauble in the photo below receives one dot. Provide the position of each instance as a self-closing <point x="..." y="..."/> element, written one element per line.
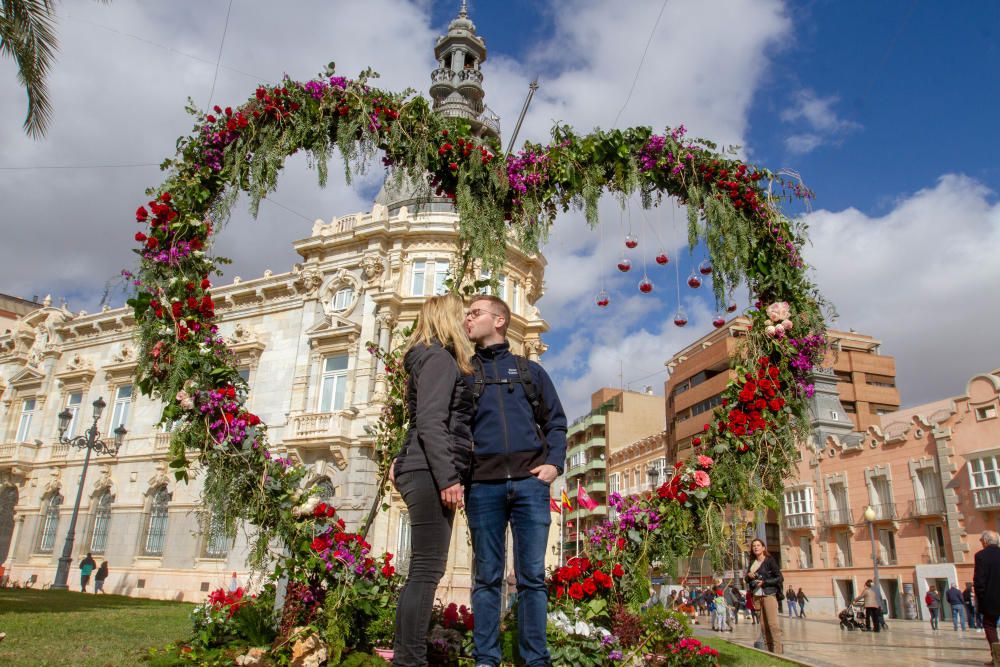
<point x="624" y="265"/>
<point x="680" y="318"/>
<point x="719" y="321"/>
<point x="694" y="280"/>
<point x="705" y="268"/>
<point x="731" y="308"/>
<point x="631" y="241"/>
<point x="645" y="285"/>
<point x="662" y="258"/>
<point x="602" y="299"/>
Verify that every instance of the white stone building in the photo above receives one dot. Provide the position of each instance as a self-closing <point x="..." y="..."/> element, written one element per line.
<point x="300" y="337"/>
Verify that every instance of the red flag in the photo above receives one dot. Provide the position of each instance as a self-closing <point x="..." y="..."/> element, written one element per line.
<point x="554" y="506"/>
<point x="584" y="499"/>
<point x="565" y="500"/>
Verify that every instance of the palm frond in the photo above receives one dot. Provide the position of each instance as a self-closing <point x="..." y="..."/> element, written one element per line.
<point x="27" y="34"/>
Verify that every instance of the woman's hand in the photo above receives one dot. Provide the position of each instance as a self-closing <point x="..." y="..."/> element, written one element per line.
<point x="392" y="472"/>
<point x="453" y="497"/>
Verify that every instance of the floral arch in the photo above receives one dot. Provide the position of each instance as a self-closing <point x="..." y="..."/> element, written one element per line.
<point x="747" y="447"/>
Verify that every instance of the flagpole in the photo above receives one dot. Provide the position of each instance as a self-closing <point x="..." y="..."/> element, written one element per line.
<point x="562" y="529"/>
<point x="579" y="518"/>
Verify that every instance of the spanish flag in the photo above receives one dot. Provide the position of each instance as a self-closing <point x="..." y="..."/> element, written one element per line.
<point x="565" y="500"/>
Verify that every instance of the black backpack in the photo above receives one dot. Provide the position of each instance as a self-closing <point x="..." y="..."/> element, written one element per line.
<point x="531" y="390"/>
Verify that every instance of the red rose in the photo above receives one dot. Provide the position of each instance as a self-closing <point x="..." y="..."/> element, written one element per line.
<point x="617" y="570"/>
<point x="141" y="214"/>
<point x="774" y="405"/>
<point x="152" y="243"/>
<point x="252" y="419"/>
<point x="210" y="118"/>
<point x="165" y="197"/>
<point x="192" y="303"/>
<point x="388" y="570"/>
<point x="330" y="512"/>
<point x="773" y="372"/>
<point x="320" y="544"/>
<point x="681" y="498"/>
<point x="175" y="308"/>
<point x="576" y="591"/>
<point x="453" y="166"/>
<point x="696" y="441"/>
<point x="230" y="392"/>
<point x="705" y="428"/>
<point x="205" y="283"/>
<point x="140" y="237"/>
<point x="763" y="361"/>
<point x="560" y="591"/>
<point x="589" y="587"/>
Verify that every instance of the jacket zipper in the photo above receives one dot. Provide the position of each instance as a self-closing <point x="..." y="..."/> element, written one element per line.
<point x="503" y="420"/>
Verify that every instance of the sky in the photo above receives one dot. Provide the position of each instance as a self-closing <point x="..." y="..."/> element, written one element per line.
<point x="886" y="110"/>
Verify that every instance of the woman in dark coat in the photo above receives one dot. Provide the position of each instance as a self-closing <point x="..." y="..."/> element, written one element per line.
<point x="764" y="579"/>
<point x="433" y="466"/>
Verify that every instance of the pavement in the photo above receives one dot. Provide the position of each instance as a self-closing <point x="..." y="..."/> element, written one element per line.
<point x="821" y="642"/>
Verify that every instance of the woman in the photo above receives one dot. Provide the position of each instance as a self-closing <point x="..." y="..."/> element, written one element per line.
<point x="433" y="466"/>
<point x="102" y="574"/>
<point x="765" y="580"/>
<point x="933" y="602"/>
<point x="801" y="597"/>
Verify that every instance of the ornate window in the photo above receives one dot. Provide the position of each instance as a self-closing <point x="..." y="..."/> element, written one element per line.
<point x="343" y="298"/>
<point x="73" y="403"/>
<point x="50" y="521"/>
<point x="24" y="425"/>
<point x="101" y="523"/>
<point x="333" y="387"/>
<point x="216" y="541"/>
<point x="435" y="271"/>
<point x="123" y="401"/>
<point x="156" y="523"/>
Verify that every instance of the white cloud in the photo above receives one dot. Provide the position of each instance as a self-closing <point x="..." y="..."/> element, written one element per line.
<point x="922" y="278"/>
<point x="815" y="113"/>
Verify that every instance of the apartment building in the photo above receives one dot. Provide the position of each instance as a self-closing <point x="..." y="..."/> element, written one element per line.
<point x="931" y="478"/>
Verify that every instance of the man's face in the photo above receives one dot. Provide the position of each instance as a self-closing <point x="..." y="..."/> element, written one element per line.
<point x="480" y="321"/>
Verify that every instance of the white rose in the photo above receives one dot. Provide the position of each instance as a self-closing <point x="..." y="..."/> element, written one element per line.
<point x="770" y="330"/>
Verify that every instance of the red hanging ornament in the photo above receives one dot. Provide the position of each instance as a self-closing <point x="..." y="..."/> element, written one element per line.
<point x="602" y="299"/>
<point x="705" y="268"/>
<point x="645" y="285"/>
<point x="680" y="318"/>
<point x="624" y="265"/>
<point x="694" y="281"/>
<point x="731" y="308"/>
<point x="662" y="258"/>
<point x="719" y="321"/>
<point x="631" y="241"/>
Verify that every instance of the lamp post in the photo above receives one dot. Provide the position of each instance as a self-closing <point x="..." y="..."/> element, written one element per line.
<point x="91" y="443"/>
<point x="870" y="518"/>
<point x="653" y="474"/>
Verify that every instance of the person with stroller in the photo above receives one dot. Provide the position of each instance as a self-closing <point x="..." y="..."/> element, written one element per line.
<point x="873" y="613"/>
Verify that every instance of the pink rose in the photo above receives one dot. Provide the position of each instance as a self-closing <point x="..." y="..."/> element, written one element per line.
<point x="786" y="325"/>
<point x="778" y="311"/>
<point x="701" y="479"/>
<point x="705" y="461"/>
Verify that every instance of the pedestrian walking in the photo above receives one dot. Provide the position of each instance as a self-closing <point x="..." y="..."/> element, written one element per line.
<point x="734" y="600"/>
<point x="793" y="602"/>
<point x="765" y="580"/>
<point x="873" y="612"/>
<point x="954" y="599"/>
<point x="802" y="599"/>
<point x="99" y="577"/>
<point x="234" y="583"/>
<point x="933" y="602"/>
<point x="969" y="599"/>
<point x="986" y="583"/>
<point x="87" y="566"/>
<point x="520" y="434"/>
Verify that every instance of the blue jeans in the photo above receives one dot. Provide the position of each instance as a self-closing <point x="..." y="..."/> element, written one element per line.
<point x="792" y="607"/>
<point x="958" y="614"/>
<point x="490" y="507"/>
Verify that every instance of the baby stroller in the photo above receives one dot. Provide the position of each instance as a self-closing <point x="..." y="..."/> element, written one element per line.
<point x="852" y="618"/>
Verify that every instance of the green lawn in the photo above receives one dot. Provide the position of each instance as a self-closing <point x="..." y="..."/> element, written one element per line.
<point x="56" y="628"/>
<point x="731" y="655"/>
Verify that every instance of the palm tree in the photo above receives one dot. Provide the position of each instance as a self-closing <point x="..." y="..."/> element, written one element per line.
<point x="27" y="35"/>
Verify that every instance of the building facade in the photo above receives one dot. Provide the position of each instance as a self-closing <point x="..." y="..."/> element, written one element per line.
<point x="616" y="419"/>
<point x="931" y="476"/>
<point x="301" y="338"/>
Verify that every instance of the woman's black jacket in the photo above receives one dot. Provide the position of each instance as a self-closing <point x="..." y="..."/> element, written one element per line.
<point x="770" y="576"/>
<point x="439" y="404"/>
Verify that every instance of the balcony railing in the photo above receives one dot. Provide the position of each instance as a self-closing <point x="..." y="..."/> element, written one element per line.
<point x="838" y="517"/>
<point x="931" y="506"/>
<point x="320" y="425"/>
<point x="161" y="442"/>
<point x="986" y="498"/>
<point x="885" y="512"/>
<point x="799" y="521"/>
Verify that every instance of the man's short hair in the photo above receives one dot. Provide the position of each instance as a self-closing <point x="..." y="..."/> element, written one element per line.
<point x="990" y="537"/>
<point x="501" y="306"/>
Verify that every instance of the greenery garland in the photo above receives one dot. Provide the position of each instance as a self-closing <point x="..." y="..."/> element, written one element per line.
<point x="733" y="207"/>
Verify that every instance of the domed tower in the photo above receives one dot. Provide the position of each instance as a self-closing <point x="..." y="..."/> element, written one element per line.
<point x="457" y="91"/>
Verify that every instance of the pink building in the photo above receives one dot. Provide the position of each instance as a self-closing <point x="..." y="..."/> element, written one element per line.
<point x="931" y="474"/>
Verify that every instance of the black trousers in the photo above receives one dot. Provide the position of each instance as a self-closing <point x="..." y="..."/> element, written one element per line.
<point x="430" y="530"/>
<point x="873" y="616"/>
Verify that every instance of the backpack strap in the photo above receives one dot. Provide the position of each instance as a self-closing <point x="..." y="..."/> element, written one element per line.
<point x="479" y="379"/>
<point x="531" y="390"/>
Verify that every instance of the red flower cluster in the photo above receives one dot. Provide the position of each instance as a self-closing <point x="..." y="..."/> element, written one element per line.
<point x="275" y="103"/>
<point x="458" y="618"/>
<point x="221" y="599"/>
<point x="739" y="185"/>
<point x="758" y="396"/>
<point x="582" y="578"/>
<point x="233" y="121"/>
<point x="387" y="569"/>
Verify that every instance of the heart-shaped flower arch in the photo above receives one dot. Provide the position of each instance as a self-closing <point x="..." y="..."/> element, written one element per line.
<point x="732" y="207"/>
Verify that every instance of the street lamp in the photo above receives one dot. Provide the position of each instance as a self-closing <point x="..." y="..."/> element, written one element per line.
<point x="653" y="474"/>
<point x="870" y="518"/>
<point x="91" y="443"/>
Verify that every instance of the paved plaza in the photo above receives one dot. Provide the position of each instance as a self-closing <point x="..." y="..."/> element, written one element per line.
<point x="822" y="643"/>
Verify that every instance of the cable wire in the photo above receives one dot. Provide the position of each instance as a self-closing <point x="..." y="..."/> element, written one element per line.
<point x="641" y="61"/>
<point x="218" y="59"/>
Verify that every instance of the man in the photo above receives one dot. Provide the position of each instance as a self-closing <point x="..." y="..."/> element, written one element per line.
<point x="969" y="598"/>
<point x="986" y="582"/>
<point x="734" y="601"/>
<point x="873" y="613"/>
<point x="87" y="566"/>
<point x="520" y="449"/>
<point x="954" y="598"/>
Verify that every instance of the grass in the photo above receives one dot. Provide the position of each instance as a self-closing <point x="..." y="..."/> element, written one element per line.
<point x="731" y="655"/>
<point x="56" y="628"/>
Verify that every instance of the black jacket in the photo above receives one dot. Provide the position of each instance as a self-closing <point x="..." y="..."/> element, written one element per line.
<point x="439" y="403"/>
<point x="770" y="575"/>
<point x="986" y="580"/>
<point x="509" y="443"/>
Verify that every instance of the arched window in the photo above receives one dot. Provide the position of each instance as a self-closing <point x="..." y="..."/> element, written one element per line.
<point x="325" y="490"/>
<point x="102" y="520"/>
<point x="156" y="526"/>
<point x="216" y="541"/>
<point x="50" y="521"/>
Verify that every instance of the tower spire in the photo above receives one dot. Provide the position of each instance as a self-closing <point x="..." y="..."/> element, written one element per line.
<point x="464" y="9"/>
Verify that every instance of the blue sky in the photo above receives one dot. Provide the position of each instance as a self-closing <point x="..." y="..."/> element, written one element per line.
<point x="886" y="109"/>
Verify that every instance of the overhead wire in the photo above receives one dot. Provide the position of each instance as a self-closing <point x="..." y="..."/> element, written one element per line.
<point x="218" y="59"/>
<point x="642" y="60"/>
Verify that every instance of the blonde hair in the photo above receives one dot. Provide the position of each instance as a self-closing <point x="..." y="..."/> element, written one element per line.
<point x="441" y="319"/>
